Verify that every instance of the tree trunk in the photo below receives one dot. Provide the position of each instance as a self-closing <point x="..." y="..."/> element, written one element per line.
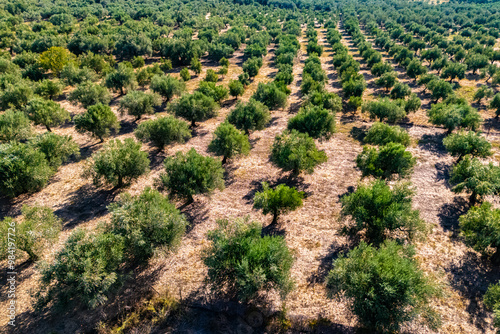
<point x="275" y="218"/>
<point x="224" y="160"/>
<point x="193" y="123"/>
<point x="48" y="128"/>
<point x="473" y="198"/>
<point x="120" y="181"/>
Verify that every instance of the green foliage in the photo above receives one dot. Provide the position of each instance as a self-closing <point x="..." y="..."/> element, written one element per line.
<point x="55" y="58"/>
<point x="138" y="62"/>
<point x="440" y="89"/>
<point x="195" y="66"/>
<point x="196" y="107"/>
<point x="15" y="95"/>
<point x="57" y="148"/>
<point x="211" y="76"/>
<point x="190" y="174"/>
<point x="217" y="93"/>
<point x="146" y="222"/>
<point x="326" y="100"/>
<point x="296" y="152"/>
<point x="167" y="86"/>
<point x="384" y="109"/>
<point x="236" y="88"/>
<point x="313" y="120"/>
<point x="23" y="168"/>
<point x="483" y="92"/>
<point x="229" y="142"/>
<point x="495" y="104"/>
<point x="49" y="89"/>
<point x="454" y="71"/>
<point x="99" y="120"/>
<point x="278" y="201"/>
<point x="249" y="116"/>
<point x="251" y="66"/>
<point x="166" y="65"/>
<point x="185" y="75"/>
<point x="86" y="269"/>
<point x="89" y="94"/>
<point x="385" y="286"/>
<point x="72" y="75"/>
<point x="118" y="163"/>
<point x="46" y="112"/>
<point x="454" y="115"/>
<point x="137" y="103"/>
<point x="470" y="175"/>
<point x="123" y="77"/>
<point x="400" y="91"/>
<point x="241" y="262"/>
<point x="386" y="80"/>
<point x="480" y="227"/>
<point x="163" y="131"/>
<point x="14" y="125"/>
<point x="412" y="103"/>
<point x="270" y="95"/>
<point x="382" y="134"/>
<point x="492" y="301"/>
<point x="463" y="143"/>
<point x="390" y="159"/>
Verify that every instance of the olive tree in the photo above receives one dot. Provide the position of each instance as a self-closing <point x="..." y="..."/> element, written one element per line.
<point x="384" y="109"/>
<point x="388" y="160"/>
<point x="14" y="125"/>
<point x="137" y="103"/>
<point x="167" y="86"/>
<point x="196" y="107"/>
<point x="88" y="94"/>
<point x="382" y="134"/>
<point x="464" y="143"/>
<point x="46" y="112"/>
<point x="229" y="142"/>
<point x="313" y="120"/>
<point x="99" y="120"/>
<point x="249" y="116"/>
<point x="56" y="148"/>
<point x="122" y="77"/>
<point x="277" y="201"/>
<point x="454" y="115"/>
<point x="163" y="131"/>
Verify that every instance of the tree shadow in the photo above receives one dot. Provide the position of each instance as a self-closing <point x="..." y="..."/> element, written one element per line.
<point x="85" y="203"/>
<point x="450" y="212"/>
<point x="472" y="276"/>
<point x="491" y="123"/>
<point x="326" y="263"/>
<point x="443" y="172"/>
<point x="433" y="143"/>
<point x="274" y="230"/>
<point x="127" y="127"/>
<point x="229" y="177"/>
<point x="195" y="213"/>
<point x="358" y="133"/>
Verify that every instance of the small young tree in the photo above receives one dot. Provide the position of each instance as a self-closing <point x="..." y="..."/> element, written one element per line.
<point x="229" y="142"/>
<point x="384" y="109"/>
<point x="23" y="168"/>
<point x="249" y="116"/>
<point x="195" y="66"/>
<point x="55" y="58"/>
<point x="146" y="221"/>
<point x="483" y="92"/>
<point x="415" y="69"/>
<point x="385" y="286"/>
<point x="49" y="89"/>
<point x="471" y="176"/>
<point x="326" y="100"/>
<point x="163" y="131"/>
<point x="463" y="143"/>
<point x="118" y="163"/>
<point x="99" y="120"/>
<point x="123" y="77"/>
<point x="412" y="103"/>
<point x="89" y="94"/>
<point x="454" y="115"/>
<point x="137" y="103"/>
<point x="241" y="262"/>
<point x="14" y="125"/>
<point x="495" y="104"/>
<point x="278" y="201"/>
<point x="46" y="112"/>
<point x="492" y="301"/>
<point x="390" y="159"/>
<point x="138" y="62"/>
<point x="236" y="88"/>
<point x="382" y="134"/>
<point x="313" y="120"/>
<point x="210" y="89"/>
<point x="185" y="75"/>
<point x="67" y="278"/>
<point x="196" y="107"/>
<point x="270" y="95"/>
<point x="167" y="86"/>
<point x="400" y="91"/>
<point x="386" y="80"/>
<point x="454" y="71"/>
<point x="57" y="148"/>
<point x="252" y="66"/>
<point x="190" y="174"/>
<point x="440" y="89"/>
<point x="211" y="76"/>
<point x="480" y="227"/>
<point x="296" y="152"/>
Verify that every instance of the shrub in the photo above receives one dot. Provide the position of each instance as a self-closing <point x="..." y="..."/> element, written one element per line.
<point x="278" y="201"/>
<point x="482" y="92"/>
<point x="146" y="222"/>
<point x="218" y="51"/>
<point x="195" y="66"/>
<point x="137" y="103"/>
<point x="453" y="116"/>
<point x="384" y="109"/>
<point x="46" y="112"/>
<point x="244" y="78"/>
<point x="49" y="89"/>
<point x="400" y="91"/>
<point x="89" y="94"/>
<point x="471" y="176"/>
<point x="167" y="86"/>
<point x="296" y="152"/>
<point x="229" y="142"/>
<point x="72" y="75"/>
<point x="138" y="62"/>
<point x="14" y="125"/>
<point x="385" y="286"/>
<point x="236" y="88"/>
<point x="326" y="100"/>
<point x="382" y="134"/>
<point x="412" y="103"/>
<point x="492" y="301"/>
<point x="165" y="65"/>
<point x="55" y="58"/>
<point x="495" y="104"/>
<point x="251" y="66"/>
<point x="163" y="131"/>
<point x="218" y="93"/>
<point x="123" y="77"/>
<point x="480" y="227"/>
<point x="211" y="76"/>
<point x="185" y="75"/>
<point x="85" y="269"/>
<point x="390" y="159"/>
<point x="386" y="80"/>
<point x="309" y="84"/>
<point x="196" y="107"/>
<point x="23" y="168"/>
<point x="315" y="121"/>
<point x="463" y="143"/>
<point x="99" y="120"/>
<point x="440" y="89"/>
<point x="270" y="95"/>
<point x="15" y="95"/>
<point x="57" y="149"/>
<point x="252" y="115"/>
<point x="242" y="262"/>
<point x="190" y="174"/>
<point x="118" y="163"/>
